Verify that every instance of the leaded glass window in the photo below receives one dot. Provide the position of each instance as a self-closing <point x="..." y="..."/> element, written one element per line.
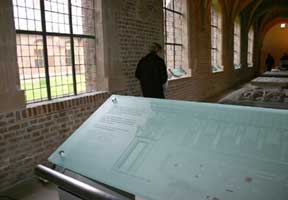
<point x="55" y="47"/>
<point x="216" y="39"/>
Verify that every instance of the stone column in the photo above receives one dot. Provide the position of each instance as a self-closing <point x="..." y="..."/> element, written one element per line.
<point x="11" y="97"/>
<point x="108" y="59"/>
<point x="228" y="41"/>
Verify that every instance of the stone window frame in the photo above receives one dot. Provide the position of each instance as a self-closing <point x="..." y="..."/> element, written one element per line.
<point x="217" y="37"/>
<point x="237" y="43"/>
<point x="250" y="48"/>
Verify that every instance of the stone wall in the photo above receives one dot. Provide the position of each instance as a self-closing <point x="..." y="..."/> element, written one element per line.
<point x="10" y="95"/>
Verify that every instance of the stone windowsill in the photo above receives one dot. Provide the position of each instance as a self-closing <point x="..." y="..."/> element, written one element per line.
<point x="186" y="76"/>
<point x="218" y="72"/>
<point x="59" y="105"/>
<point x="179" y="78"/>
<point x="64" y="99"/>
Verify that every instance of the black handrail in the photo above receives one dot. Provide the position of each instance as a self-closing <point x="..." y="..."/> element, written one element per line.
<point x="73" y="186"/>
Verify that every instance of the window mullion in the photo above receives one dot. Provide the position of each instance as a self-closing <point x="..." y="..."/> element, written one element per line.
<point x="174" y="36"/>
<point x="72" y="48"/>
<point x="173" y="47"/>
<point x="165" y="32"/>
<point x="45" y="49"/>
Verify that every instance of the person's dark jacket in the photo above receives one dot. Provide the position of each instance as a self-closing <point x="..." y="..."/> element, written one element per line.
<point x="269" y="62"/>
<point x="152" y="74"/>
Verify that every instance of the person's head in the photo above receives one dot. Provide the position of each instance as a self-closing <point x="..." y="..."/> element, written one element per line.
<point x="155" y="48"/>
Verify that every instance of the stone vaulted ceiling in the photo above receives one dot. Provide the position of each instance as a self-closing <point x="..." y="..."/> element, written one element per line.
<point x="265" y="14"/>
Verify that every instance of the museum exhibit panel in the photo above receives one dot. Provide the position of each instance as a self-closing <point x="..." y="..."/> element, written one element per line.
<point x="71" y="111"/>
<point x="166" y="149"/>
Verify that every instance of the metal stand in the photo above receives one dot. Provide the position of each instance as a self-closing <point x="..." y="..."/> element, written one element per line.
<point x="71" y="188"/>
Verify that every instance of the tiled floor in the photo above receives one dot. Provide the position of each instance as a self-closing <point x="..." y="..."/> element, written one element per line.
<point x="32" y="190"/>
<point x="216" y="98"/>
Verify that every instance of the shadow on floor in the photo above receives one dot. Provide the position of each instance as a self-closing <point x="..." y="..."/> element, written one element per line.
<point x="31" y="190"/>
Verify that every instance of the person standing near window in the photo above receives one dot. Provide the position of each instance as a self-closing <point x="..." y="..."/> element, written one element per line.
<point x="152" y="73"/>
<point x="269" y="62"/>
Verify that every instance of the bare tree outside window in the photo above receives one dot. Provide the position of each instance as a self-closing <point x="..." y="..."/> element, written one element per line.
<point x="68" y="56"/>
<point x="38" y="52"/>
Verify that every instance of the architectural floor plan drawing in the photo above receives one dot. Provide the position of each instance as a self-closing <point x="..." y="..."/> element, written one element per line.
<point x="177" y="150"/>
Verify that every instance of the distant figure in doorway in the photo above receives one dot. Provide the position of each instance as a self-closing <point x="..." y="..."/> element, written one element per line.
<point x="284" y="61"/>
<point x="269" y="62"/>
<point x="152" y="73"/>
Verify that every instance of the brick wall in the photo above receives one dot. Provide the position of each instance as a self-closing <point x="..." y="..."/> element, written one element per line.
<point x="203" y="84"/>
<point x="29" y="136"/>
<point x="139" y="24"/>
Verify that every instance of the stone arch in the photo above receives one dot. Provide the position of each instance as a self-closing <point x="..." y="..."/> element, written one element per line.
<point x="271" y="45"/>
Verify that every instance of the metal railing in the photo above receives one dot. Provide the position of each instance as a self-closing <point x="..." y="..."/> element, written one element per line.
<point x="73" y="186"/>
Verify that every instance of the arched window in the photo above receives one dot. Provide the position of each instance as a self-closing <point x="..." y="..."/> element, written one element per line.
<point x="216" y="37"/>
<point x="250" y="47"/>
<point x="174" y="38"/>
<point x="237" y="43"/>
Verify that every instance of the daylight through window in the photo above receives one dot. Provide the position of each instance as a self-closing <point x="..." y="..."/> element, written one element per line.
<point x="216" y="39"/>
<point x="237" y="42"/>
<point x="173" y="33"/>
<point x="250" y="47"/>
<point x="55" y="47"/>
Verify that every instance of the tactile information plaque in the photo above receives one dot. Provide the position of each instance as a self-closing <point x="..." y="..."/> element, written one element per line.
<point x="177" y="150"/>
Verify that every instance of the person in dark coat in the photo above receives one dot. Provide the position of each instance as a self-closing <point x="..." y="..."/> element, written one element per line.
<point x="269" y="62"/>
<point x="152" y="73"/>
